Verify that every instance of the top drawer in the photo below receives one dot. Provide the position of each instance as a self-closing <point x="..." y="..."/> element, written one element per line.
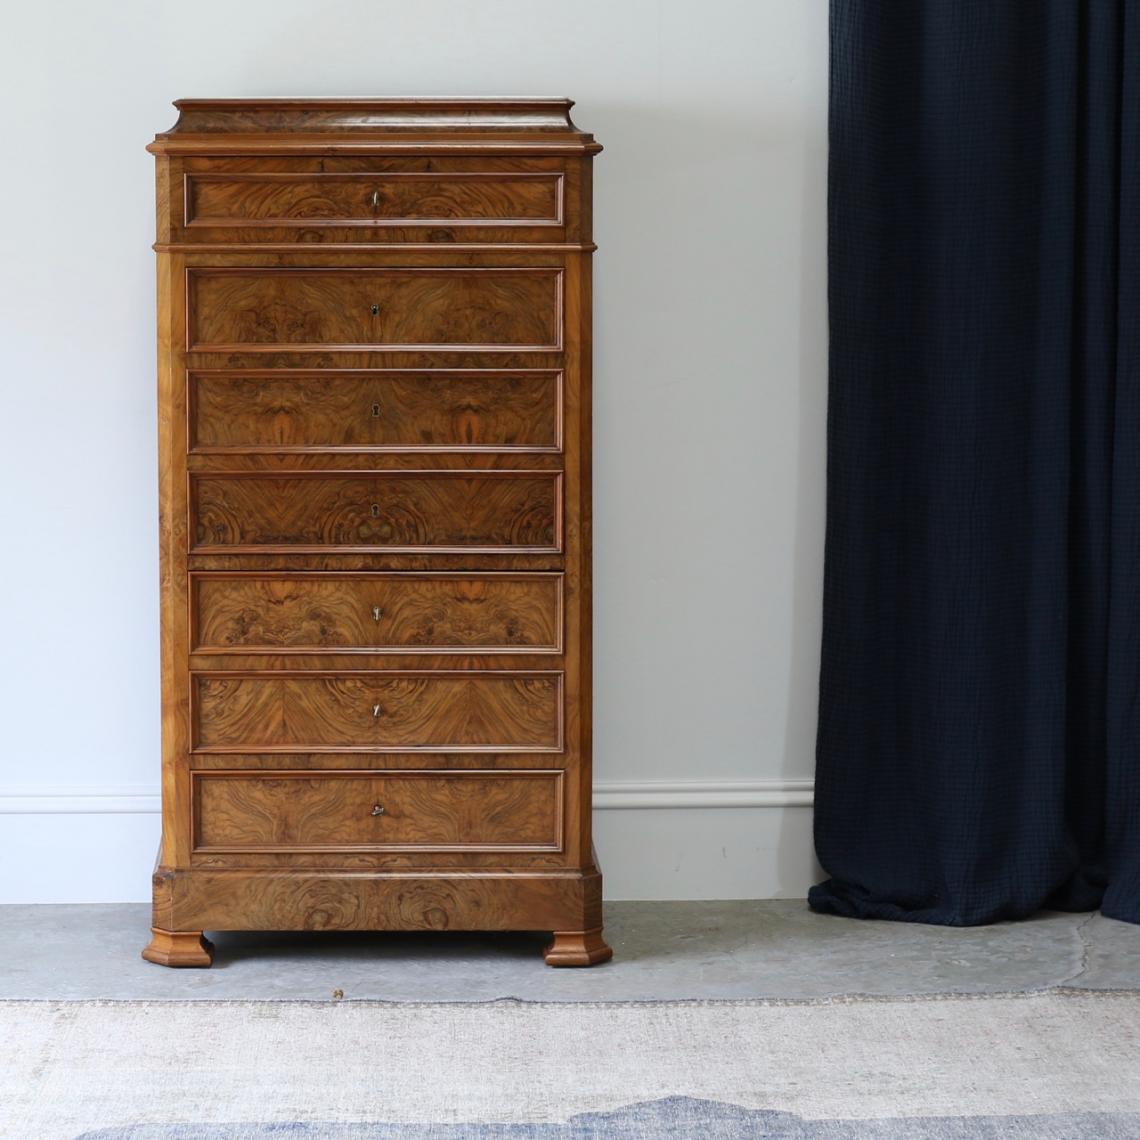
<point x="338" y="199"/>
<point x="276" y="199"/>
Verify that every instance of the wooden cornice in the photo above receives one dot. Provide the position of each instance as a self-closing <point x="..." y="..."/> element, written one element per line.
<point x="292" y="126"/>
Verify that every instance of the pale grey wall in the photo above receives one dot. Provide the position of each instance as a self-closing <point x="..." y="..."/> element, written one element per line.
<point x="710" y="374"/>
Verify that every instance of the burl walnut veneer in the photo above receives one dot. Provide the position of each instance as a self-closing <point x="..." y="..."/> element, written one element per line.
<point x="374" y="423"/>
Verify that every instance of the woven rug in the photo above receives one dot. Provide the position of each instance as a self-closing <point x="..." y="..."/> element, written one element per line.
<point x="1043" y="1065"/>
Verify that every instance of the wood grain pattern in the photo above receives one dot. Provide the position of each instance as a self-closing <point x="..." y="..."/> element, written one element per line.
<point x="468" y="198"/>
<point x="308" y="899"/>
<point x="412" y="613"/>
<point x="425" y="810"/>
<point x="422" y="410"/>
<point x="424" y="510"/>
<point x="561" y="175"/>
<point x="178" y="948"/>
<point x="397" y="711"/>
<point x="265" y="355"/>
<point x="262" y="309"/>
<point x="577" y="948"/>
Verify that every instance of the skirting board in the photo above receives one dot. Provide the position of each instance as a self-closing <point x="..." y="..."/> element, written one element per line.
<point x="656" y="839"/>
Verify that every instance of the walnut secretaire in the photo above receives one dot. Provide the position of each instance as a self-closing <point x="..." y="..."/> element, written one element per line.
<point x="374" y="416"/>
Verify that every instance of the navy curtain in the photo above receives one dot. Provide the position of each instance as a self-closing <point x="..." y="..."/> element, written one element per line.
<point x="979" y="739"/>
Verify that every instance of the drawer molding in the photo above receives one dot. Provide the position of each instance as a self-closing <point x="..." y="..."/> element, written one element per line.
<point x="487" y="776"/>
<point x="556" y="579"/>
<point x="302" y="376"/>
<point x="344" y="714"/>
<point x="193" y="219"/>
<point x="555" y="546"/>
<point x="272" y="313"/>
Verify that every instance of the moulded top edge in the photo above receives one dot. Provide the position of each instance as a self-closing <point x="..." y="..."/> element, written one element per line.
<point x="377" y="101"/>
<point x="357" y="116"/>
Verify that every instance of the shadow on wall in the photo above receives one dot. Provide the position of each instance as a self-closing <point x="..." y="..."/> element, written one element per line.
<point x="811" y="498"/>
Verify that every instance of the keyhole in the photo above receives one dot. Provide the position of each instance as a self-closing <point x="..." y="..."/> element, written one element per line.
<point x="375" y="310"/>
<point x="374" y="510"/>
<point x="376" y="411"/>
<point x="376" y="710"/>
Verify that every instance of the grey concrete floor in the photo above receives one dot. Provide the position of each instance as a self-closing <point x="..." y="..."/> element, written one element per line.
<point x="662" y="951"/>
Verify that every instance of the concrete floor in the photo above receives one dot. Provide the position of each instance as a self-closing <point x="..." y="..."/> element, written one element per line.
<point x="662" y="950"/>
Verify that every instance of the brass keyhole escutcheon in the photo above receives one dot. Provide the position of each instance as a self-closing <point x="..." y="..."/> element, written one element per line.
<point x="377" y="809"/>
<point x="375" y="199"/>
<point x="376" y="710"/>
<point x="377" y="613"/>
<point x="375" y="310"/>
<point x="376" y="411"/>
<point x="374" y="510"/>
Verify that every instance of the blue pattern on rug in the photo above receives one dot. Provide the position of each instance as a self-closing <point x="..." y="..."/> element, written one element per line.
<point x="677" y="1116"/>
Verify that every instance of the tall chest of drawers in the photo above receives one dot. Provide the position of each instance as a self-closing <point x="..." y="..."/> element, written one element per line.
<point x="374" y="450"/>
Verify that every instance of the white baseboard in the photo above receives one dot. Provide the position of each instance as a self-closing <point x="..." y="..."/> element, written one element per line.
<point x="656" y="839"/>
<point x="629" y="794"/>
<point x="125" y="799"/>
<point x="130" y="799"/>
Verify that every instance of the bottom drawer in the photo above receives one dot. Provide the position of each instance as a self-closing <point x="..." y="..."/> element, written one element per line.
<point x="409" y="810"/>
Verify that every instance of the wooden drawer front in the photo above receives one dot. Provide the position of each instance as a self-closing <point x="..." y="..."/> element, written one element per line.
<point x="358" y="613"/>
<point x="445" y="711"/>
<point x="399" y="511"/>
<point x="381" y="199"/>
<point x="256" y="310"/>
<point x="445" y="410"/>
<point x="457" y="810"/>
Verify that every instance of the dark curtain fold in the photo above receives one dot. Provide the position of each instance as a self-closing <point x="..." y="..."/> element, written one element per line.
<point x="979" y="738"/>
